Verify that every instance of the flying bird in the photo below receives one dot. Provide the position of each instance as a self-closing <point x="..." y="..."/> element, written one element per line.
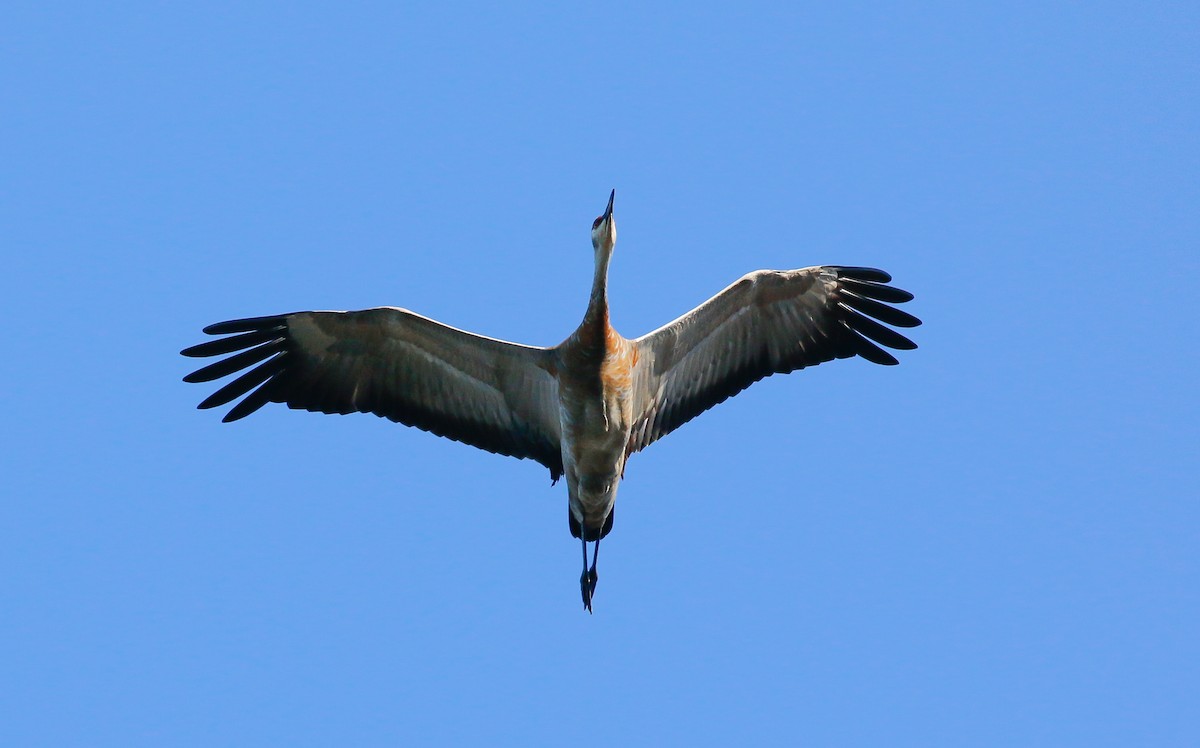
<point x="580" y="408"/>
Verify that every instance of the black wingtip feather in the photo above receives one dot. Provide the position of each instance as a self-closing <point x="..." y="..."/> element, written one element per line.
<point x="244" y="383"/>
<point x="249" y="324"/>
<point x="890" y="294"/>
<point x="875" y="331"/>
<point x="240" y="361"/>
<point x="869" y="350"/>
<point x="251" y="403"/>
<point x="230" y="344"/>
<point x="864" y="274"/>
<point x="878" y="310"/>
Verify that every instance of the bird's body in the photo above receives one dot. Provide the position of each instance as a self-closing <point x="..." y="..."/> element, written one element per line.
<point x="595" y="402"/>
<point x="580" y="408"/>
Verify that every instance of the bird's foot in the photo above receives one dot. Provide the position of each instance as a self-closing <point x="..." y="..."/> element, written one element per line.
<point x="587" y="585"/>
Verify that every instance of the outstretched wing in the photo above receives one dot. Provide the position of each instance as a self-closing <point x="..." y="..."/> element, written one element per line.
<point x="491" y="394"/>
<point x="768" y="322"/>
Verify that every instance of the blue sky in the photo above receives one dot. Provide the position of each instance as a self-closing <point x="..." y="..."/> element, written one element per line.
<point x="995" y="543"/>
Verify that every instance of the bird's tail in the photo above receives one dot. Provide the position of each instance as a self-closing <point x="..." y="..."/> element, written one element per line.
<point x="591" y="532"/>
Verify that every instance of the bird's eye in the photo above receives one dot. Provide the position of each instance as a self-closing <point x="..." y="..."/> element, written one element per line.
<point x="596" y="223"/>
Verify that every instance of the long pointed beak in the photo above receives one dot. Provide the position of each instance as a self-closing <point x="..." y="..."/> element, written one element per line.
<point x="608" y="210"/>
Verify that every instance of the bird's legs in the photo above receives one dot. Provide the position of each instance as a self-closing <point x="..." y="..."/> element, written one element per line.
<point x="587" y="580"/>
<point x="592" y="575"/>
<point x="584" y="582"/>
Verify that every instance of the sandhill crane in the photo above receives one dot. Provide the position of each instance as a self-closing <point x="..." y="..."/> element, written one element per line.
<point x="580" y="408"/>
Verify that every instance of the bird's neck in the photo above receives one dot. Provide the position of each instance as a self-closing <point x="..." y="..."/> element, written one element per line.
<point x="597" y="311"/>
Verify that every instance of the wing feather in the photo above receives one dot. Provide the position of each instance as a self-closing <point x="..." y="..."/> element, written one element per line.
<point x="767" y="322"/>
<point x="491" y="394"/>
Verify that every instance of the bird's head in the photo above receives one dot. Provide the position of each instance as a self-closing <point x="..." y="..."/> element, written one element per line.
<point x="604" y="228"/>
